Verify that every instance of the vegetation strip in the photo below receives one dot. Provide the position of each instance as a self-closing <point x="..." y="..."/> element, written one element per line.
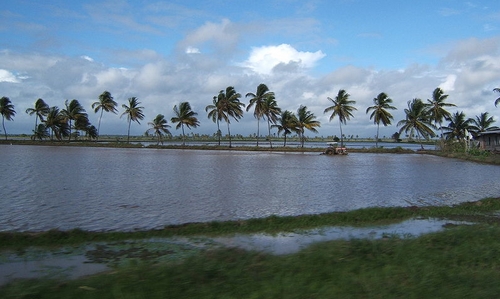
<point x="461" y="261"/>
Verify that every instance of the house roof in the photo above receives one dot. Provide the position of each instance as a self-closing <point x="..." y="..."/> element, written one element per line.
<point x="492" y="132"/>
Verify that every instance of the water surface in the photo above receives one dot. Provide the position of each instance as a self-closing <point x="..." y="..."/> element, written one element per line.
<point x="98" y="189"/>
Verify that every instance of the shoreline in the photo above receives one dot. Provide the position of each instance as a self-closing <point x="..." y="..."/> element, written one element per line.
<point x="481" y="157"/>
<point x="477" y="211"/>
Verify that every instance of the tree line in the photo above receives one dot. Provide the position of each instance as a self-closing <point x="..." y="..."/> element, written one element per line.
<point x="422" y="119"/>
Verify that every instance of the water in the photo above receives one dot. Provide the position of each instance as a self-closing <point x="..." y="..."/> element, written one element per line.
<point x="94" y="258"/>
<point x="101" y="189"/>
<point x="287" y="243"/>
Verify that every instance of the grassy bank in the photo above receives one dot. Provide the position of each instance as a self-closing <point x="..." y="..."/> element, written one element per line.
<point x="460" y="262"/>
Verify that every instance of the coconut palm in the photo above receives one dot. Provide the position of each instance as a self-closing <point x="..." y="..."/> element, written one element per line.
<point x="271" y="112"/>
<point x="215" y="113"/>
<point x="231" y="106"/>
<point x="40" y="133"/>
<point x="40" y="110"/>
<point x="287" y="123"/>
<point x="74" y="112"/>
<point x="184" y="116"/>
<point x="57" y="123"/>
<point x="91" y="132"/>
<point x="436" y="108"/>
<point x="159" y="127"/>
<point x="257" y="100"/>
<point x="225" y="105"/>
<point x="7" y="111"/>
<point x="497" y="101"/>
<point x="105" y="103"/>
<point x="133" y="112"/>
<point x="481" y="123"/>
<point x="458" y="126"/>
<point x="342" y="108"/>
<point x="306" y="120"/>
<point x="417" y="120"/>
<point x="379" y="112"/>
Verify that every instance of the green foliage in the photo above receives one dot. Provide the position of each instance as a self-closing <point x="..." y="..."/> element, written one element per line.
<point x="478" y="152"/>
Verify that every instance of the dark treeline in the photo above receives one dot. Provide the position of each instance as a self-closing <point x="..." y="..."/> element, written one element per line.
<point x="423" y="119"/>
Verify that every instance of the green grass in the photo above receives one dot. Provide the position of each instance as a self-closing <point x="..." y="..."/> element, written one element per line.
<point x="459" y="262"/>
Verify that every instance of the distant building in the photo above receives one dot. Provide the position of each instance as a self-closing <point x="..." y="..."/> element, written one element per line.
<point x="489" y="140"/>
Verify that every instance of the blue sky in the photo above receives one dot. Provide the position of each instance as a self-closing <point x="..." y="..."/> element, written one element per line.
<point x="166" y="52"/>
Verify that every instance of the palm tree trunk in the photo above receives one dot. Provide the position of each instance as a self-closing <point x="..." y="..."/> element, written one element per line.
<point x="218" y="131"/>
<point x="183" y="136"/>
<point x="376" y="141"/>
<point x="341" y="135"/>
<point x="229" y="132"/>
<point x="3" y="125"/>
<point x="258" y="128"/>
<point x="99" y="124"/>
<point x="69" y="138"/>
<point x="284" y="143"/>
<point x="128" y="131"/>
<point x="419" y="141"/>
<point x="269" y="132"/>
<point x="301" y="136"/>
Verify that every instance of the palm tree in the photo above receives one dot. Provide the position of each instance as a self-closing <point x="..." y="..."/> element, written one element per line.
<point x="57" y="123"/>
<point x="231" y="107"/>
<point x="91" y="132"/>
<point x="287" y="123"/>
<point x="497" y="101"/>
<point x="133" y="112"/>
<point x="481" y="123"/>
<point x="216" y="114"/>
<point x="40" y="110"/>
<point x="184" y="116"/>
<point x="458" y="126"/>
<point x="257" y="100"/>
<point x="271" y="112"/>
<point x="436" y="108"/>
<point x="159" y="127"/>
<point x="7" y="111"/>
<point x="74" y="112"/>
<point x="226" y="104"/>
<point x="417" y="120"/>
<point x="306" y="120"/>
<point x="379" y="112"/>
<point x="342" y="107"/>
<point x="105" y="103"/>
<point x="40" y="133"/>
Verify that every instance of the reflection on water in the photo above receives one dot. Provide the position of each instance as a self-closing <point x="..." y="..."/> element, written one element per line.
<point x="94" y="258"/>
<point x="286" y="243"/>
<point x="53" y="267"/>
<point x="100" y="189"/>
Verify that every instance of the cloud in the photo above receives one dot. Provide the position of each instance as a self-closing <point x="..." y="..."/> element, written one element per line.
<point x="6" y="76"/>
<point x="221" y="36"/>
<point x="263" y="60"/>
<point x="192" y="50"/>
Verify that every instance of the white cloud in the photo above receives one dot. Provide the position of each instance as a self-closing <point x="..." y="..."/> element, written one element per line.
<point x="222" y="36"/>
<point x="264" y="59"/>
<point x="192" y="50"/>
<point x="6" y="76"/>
<point x="88" y="58"/>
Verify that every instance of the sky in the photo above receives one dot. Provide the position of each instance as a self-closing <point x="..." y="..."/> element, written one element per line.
<point x="167" y="52"/>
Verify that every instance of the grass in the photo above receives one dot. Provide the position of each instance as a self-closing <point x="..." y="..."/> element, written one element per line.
<point x="460" y="262"/>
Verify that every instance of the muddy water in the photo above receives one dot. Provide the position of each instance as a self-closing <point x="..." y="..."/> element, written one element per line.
<point x="102" y="189"/>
